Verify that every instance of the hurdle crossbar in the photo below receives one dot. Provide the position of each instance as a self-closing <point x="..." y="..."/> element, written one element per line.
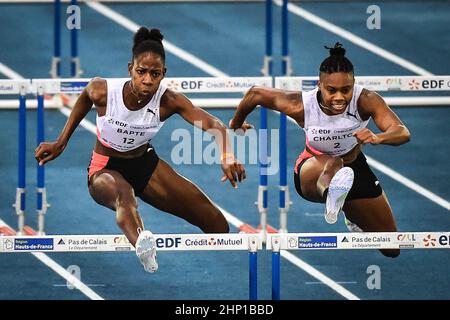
<point x="375" y="83"/>
<point x="114" y="243"/>
<point x="184" y="85"/>
<point x="360" y="240"/>
<point x="411" y="84"/>
<point x="119" y="243"/>
<point x="349" y="241"/>
<point x="241" y="84"/>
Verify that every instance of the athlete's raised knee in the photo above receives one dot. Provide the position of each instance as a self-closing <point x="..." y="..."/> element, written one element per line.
<point x="333" y="164"/>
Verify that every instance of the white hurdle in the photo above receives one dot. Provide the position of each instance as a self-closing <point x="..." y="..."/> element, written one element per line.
<point x="349" y="241"/>
<point x="119" y="243"/>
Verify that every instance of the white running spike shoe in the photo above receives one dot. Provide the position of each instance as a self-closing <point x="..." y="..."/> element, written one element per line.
<point x="146" y="251"/>
<point x="338" y="190"/>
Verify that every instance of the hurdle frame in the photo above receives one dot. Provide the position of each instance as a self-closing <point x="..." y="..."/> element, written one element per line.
<point x="262" y="200"/>
<point x="20" y="88"/>
<point x="75" y="63"/>
<point x="286" y="69"/>
<point x="349" y="241"/>
<point x="164" y="242"/>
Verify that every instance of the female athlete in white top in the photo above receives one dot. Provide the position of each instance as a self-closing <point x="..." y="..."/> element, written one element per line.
<point x="332" y="169"/>
<point x="124" y="164"/>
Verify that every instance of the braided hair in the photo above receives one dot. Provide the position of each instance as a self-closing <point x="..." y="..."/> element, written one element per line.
<point x="146" y="40"/>
<point x="336" y="62"/>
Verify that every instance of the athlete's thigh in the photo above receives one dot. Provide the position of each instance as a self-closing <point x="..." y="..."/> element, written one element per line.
<point x="310" y="172"/>
<point x="108" y="186"/>
<point x="372" y="214"/>
<point x="170" y="192"/>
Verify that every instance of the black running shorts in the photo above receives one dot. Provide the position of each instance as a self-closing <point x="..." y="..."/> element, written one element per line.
<point x="365" y="183"/>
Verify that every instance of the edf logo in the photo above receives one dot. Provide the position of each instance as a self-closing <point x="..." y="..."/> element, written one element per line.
<point x="168" y="242"/>
<point x="444" y="240"/>
<point x="432" y="84"/>
<point x="191" y="84"/>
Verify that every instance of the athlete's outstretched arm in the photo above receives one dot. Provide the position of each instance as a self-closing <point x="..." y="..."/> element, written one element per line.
<point x="287" y="102"/>
<point x="393" y="131"/>
<point x="233" y="170"/>
<point x="95" y="91"/>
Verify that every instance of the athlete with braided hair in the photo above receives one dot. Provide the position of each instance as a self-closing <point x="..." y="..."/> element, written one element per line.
<point x="332" y="169"/>
<point x="124" y="164"/>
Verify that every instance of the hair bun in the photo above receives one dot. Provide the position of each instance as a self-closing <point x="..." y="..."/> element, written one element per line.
<point x="144" y="34"/>
<point x="338" y="50"/>
<point x="155" y="34"/>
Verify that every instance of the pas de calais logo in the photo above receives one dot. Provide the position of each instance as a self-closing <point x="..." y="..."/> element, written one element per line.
<point x="429" y="241"/>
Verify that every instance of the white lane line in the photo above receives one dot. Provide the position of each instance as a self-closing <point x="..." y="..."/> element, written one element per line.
<point x="231" y="218"/>
<point x="318" y="275"/>
<point x="408" y="183"/>
<point x="9" y="72"/>
<point x="133" y="27"/>
<point x="340" y="282"/>
<point x="295" y="9"/>
<point x="52" y="264"/>
<point x="309" y="214"/>
<point x="67" y="275"/>
<point x="84" y="123"/>
<point x="87" y="284"/>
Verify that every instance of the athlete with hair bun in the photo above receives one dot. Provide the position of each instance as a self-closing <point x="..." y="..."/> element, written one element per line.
<point x="124" y="164"/>
<point x="332" y="169"/>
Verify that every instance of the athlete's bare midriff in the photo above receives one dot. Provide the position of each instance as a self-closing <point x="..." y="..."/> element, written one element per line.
<point x="101" y="149"/>
<point x="351" y="156"/>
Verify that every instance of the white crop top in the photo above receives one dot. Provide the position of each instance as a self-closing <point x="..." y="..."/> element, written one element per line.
<point x="123" y="129"/>
<point x="332" y="134"/>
